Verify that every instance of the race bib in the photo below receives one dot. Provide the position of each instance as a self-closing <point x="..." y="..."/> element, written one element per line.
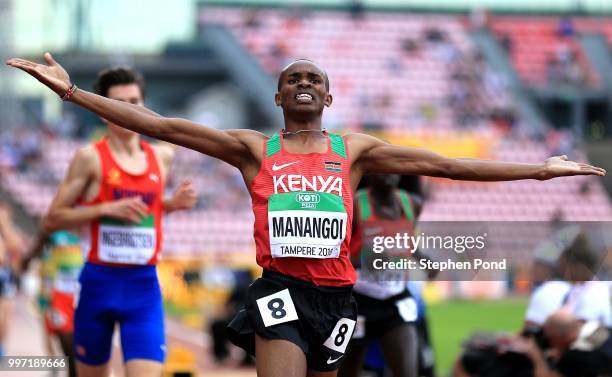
<point x="306" y="224"/>
<point x="277" y="308"/>
<point x="407" y="309"/>
<point x="57" y="318"/>
<point x="66" y="281"/>
<point x="121" y="242"/>
<point x="360" y="327"/>
<point x="340" y="337"/>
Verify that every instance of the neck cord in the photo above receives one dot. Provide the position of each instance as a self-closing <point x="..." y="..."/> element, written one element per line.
<point x="285" y="132"/>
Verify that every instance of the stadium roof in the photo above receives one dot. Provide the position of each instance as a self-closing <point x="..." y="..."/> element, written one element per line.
<point x="595" y="7"/>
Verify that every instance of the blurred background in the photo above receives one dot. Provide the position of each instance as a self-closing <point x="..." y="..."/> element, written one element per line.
<point x="517" y="80"/>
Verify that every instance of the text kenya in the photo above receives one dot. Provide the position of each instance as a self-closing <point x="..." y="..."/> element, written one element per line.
<point x="294" y="182"/>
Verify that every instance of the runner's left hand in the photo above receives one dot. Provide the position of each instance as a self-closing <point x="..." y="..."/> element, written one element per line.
<point x="561" y="166"/>
<point x="184" y="197"/>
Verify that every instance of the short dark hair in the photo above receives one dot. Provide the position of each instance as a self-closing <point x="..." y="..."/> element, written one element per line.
<point x="118" y="76"/>
<point x="279" y="84"/>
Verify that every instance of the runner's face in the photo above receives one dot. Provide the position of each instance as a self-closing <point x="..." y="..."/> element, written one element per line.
<point x="130" y="93"/>
<point x="384" y="182"/>
<point x="302" y="89"/>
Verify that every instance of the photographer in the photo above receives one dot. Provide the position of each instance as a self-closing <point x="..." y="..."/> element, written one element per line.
<point x="580" y="349"/>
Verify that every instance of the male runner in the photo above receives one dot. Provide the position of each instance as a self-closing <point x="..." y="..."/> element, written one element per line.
<point x="115" y="187"/>
<point x="11" y="247"/>
<point x="62" y="260"/>
<point x="387" y="310"/>
<point x="45" y="275"/>
<point x="300" y="315"/>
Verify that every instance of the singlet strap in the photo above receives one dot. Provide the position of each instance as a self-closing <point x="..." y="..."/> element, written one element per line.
<point x="273" y="145"/>
<point x="407" y="204"/>
<point x="104" y="154"/>
<point x="365" y="207"/>
<point x="152" y="163"/>
<point x="337" y="145"/>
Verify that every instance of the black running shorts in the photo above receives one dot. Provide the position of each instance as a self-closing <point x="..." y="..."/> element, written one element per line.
<point x="319" y="320"/>
<point x="376" y="317"/>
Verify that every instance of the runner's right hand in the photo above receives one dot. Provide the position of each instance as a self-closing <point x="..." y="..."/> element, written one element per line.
<point x="53" y="75"/>
<point x="130" y="209"/>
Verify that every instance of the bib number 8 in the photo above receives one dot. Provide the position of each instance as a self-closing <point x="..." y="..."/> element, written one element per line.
<point x="341" y="335"/>
<point x="277" y="308"/>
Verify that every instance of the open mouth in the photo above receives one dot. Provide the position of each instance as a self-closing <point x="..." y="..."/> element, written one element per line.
<point x="303" y="98"/>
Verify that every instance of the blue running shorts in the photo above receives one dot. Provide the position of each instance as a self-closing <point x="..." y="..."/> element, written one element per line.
<point x="128" y="296"/>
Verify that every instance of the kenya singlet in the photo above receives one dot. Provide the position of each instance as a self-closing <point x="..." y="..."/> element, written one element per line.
<point x="384" y="283"/>
<point x="303" y="208"/>
<point x="118" y="242"/>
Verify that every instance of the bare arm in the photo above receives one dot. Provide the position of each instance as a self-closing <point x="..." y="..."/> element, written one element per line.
<point x="183" y="198"/>
<point x="225" y="145"/>
<point x="376" y="156"/>
<point x="63" y="214"/>
<point x="35" y="250"/>
<point x="13" y="241"/>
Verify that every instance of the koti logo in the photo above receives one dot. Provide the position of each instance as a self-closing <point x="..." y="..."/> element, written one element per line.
<point x="308" y="200"/>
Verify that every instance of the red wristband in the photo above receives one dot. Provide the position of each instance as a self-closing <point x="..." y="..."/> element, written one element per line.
<point x="69" y="93"/>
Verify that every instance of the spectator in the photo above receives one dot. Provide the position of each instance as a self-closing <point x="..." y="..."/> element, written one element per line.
<point x="585" y="349"/>
<point x="506" y="43"/>
<point x="432" y="34"/>
<point x="554" y="72"/>
<point x="410" y="46"/>
<point x="550" y="292"/>
<point x="479" y="18"/>
<point x="566" y="27"/>
<point x="588" y="299"/>
<point x="575" y="74"/>
<point x="356" y="9"/>
<point x="251" y="19"/>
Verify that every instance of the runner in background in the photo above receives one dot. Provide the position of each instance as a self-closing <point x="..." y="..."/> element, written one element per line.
<point x="11" y="247"/>
<point x="43" y="300"/>
<point x="387" y="310"/>
<point x="62" y="261"/>
<point x="114" y="188"/>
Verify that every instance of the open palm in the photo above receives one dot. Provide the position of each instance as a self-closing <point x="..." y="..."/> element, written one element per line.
<point x="560" y="166"/>
<point x="54" y="76"/>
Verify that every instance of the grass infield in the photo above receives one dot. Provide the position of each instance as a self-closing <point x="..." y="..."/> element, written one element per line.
<point x="452" y="321"/>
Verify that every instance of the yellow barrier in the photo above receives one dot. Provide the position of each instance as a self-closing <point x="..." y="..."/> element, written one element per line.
<point x="181" y="363"/>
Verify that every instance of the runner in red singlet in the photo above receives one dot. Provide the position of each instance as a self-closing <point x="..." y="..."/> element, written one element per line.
<point x="115" y="242"/>
<point x="115" y="189"/>
<point x="295" y="325"/>
<point x="387" y="310"/>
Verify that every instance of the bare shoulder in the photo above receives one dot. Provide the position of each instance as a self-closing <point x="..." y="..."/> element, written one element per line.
<point x="86" y="157"/>
<point x="86" y="151"/>
<point x="359" y="143"/>
<point x="164" y="152"/>
<point x="356" y="139"/>
<point x="246" y="135"/>
<point x="253" y="140"/>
